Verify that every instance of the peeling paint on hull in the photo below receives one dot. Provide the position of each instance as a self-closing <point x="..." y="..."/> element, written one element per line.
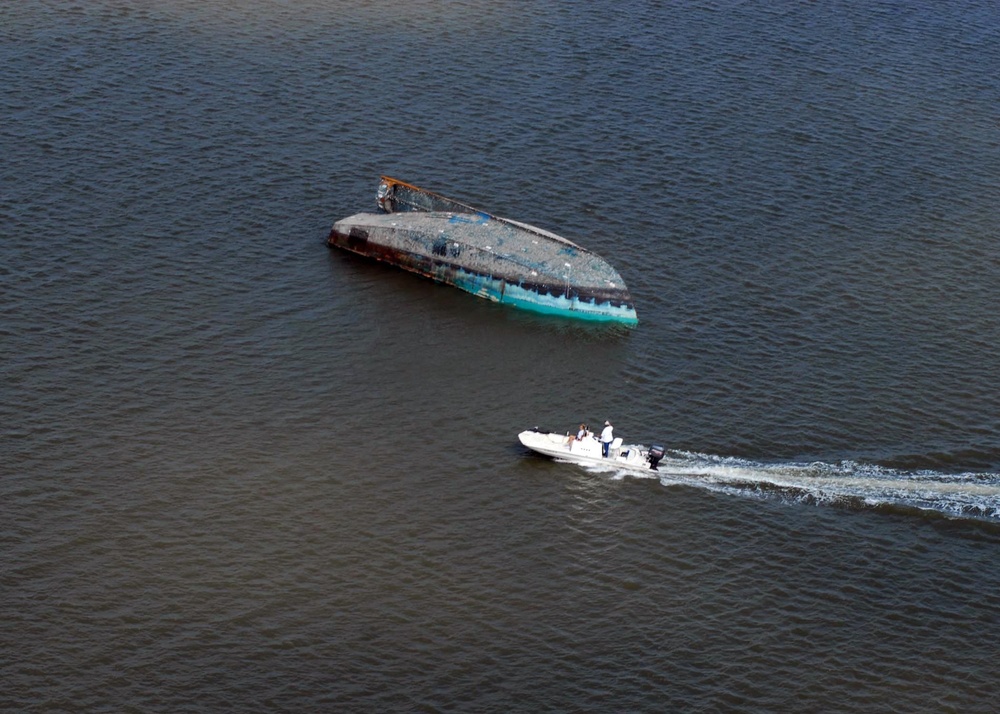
<point x="494" y="258"/>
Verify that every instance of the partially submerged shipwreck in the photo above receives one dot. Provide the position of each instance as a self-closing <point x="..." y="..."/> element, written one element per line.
<point x="496" y="258"/>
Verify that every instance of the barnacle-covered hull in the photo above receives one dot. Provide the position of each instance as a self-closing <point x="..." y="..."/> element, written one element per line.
<point x="495" y="258"/>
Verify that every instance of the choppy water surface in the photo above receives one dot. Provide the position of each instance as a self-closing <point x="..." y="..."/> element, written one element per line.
<point x="240" y="471"/>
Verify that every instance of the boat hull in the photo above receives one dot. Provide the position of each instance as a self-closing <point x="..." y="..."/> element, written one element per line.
<point x="502" y="261"/>
<point x="587" y="451"/>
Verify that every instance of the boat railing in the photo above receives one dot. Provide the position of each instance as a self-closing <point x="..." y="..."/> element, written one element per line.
<point x="392" y="184"/>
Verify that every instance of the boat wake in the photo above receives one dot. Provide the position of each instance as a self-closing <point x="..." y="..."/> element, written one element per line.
<point x="846" y="484"/>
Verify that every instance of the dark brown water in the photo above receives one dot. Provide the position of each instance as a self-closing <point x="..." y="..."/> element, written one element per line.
<point x="241" y="472"/>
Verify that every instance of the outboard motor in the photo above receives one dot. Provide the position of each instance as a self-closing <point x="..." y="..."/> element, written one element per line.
<point x="654" y="455"/>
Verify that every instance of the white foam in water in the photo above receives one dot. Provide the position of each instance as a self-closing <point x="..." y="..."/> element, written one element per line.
<point x="967" y="495"/>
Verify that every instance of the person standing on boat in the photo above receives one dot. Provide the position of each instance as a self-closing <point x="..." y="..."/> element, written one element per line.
<point x="606" y="438"/>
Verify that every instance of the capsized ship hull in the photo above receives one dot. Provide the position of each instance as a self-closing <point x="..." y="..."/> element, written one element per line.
<point x="495" y="258"/>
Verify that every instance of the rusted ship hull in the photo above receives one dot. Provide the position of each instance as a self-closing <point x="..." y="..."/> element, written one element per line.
<point x="495" y="258"/>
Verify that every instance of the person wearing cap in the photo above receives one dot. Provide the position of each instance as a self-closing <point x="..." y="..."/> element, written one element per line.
<point x="606" y="438"/>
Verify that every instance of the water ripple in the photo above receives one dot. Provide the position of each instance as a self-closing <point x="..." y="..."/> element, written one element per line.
<point x="242" y="471"/>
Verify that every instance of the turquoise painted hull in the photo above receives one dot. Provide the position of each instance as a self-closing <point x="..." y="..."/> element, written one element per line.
<point x="515" y="296"/>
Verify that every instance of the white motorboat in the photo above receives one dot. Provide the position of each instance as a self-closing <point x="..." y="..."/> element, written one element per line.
<point x="588" y="450"/>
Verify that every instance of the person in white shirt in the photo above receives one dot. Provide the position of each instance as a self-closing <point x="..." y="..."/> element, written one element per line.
<point x="607" y="438"/>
